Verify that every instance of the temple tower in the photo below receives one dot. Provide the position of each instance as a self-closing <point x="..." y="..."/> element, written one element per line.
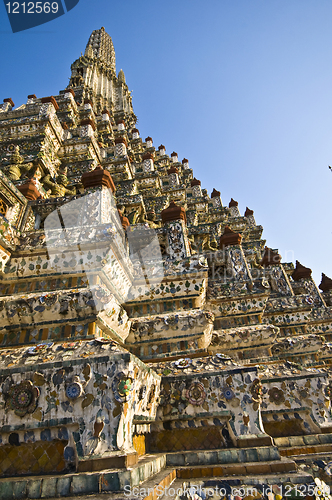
<point x="93" y="75"/>
<point x="140" y="318"/>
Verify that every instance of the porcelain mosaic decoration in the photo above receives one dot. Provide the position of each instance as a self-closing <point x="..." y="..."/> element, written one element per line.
<point x="145" y="327"/>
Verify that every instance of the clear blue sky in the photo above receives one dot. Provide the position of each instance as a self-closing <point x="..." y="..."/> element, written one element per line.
<point x="242" y="88"/>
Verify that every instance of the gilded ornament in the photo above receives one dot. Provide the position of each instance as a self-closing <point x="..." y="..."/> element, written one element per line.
<point x="256" y="390"/>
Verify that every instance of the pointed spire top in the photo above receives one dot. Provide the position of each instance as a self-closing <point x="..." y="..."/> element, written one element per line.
<point x="229" y="238"/>
<point x="301" y="272"/>
<point x="101" y="47"/>
<point x="173" y="212"/>
<point x="270" y="257"/>
<point x="326" y="283"/>
<point x="121" y="76"/>
<point x="215" y="193"/>
<point x="248" y="212"/>
<point x="232" y="203"/>
<point x="173" y="170"/>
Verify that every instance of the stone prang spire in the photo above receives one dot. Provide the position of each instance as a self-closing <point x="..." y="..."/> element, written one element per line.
<point x="93" y="76"/>
<point x="143" y="324"/>
<point x="100" y="46"/>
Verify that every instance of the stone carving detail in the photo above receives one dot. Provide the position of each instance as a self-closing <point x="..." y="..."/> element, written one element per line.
<point x="74" y="389"/>
<point x="122" y="387"/>
<point x="207" y="314"/>
<point x="23" y="398"/>
<point x="256" y="390"/>
<point x="196" y="394"/>
<point x="276" y="395"/>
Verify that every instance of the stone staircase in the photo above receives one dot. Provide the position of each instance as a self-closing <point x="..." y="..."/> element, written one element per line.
<point x="153" y="473"/>
<point x="227" y="462"/>
<point x="236" y="485"/>
<point x="84" y="483"/>
<point x="293" y="446"/>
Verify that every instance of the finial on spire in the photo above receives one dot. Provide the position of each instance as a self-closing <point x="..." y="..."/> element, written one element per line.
<point x="229" y="238"/>
<point x="121" y="76"/>
<point x="101" y="47"/>
<point x="301" y="272"/>
<point x="325" y="284"/>
<point x="233" y="203"/>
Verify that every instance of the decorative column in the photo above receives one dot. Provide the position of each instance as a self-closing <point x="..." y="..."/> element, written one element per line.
<point x="185" y="164"/>
<point x="121" y="125"/>
<point x="7" y="105"/>
<point x="174" y="220"/>
<point x="88" y="105"/>
<point x="31" y="99"/>
<point x="326" y="287"/>
<point x="174" y="157"/>
<point x="149" y="142"/>
<point x="100" y="187"/>
<point x="173" y="176"/>
<point x="49" y="106"/>
<point x="302" y="274"/>
<point x="249" y="214"/>
<point x="105" y="114"/>
<point x="236" y="264"/>
<point x="162" y="150"/>
<point x="66" y="132"/>
<point x="275" y="273"/>
<point x="135" y="133"/>
<point x="120" y="147"/>
<point x="234" y="209"/>
<point x="98" y="214"/>
<point x="69" y="94"/>
<point x="196" y="188"/>
<point x="88" y="127"/>
<point x="216" y="200"/>
<point x="148" y="165"/>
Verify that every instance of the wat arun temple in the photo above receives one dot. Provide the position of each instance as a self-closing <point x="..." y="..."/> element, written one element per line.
<point x="149" y="336"/>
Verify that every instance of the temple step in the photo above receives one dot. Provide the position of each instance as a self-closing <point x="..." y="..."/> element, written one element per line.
<point x="310" y="458"/>
<point x="222" y="456"/>
<point x="234" y="485"/>
<point x="86" y="483"/>
<point x="305" y="450"/>
<point x="310" y="439"/>
<point x="292" y="446"/>
<point x="238" y="469"/>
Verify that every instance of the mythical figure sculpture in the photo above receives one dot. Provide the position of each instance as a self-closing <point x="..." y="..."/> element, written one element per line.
<point x="58" y="186"/>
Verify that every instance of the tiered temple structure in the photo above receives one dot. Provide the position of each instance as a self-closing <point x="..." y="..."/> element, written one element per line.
<point x="147" y="332"/>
